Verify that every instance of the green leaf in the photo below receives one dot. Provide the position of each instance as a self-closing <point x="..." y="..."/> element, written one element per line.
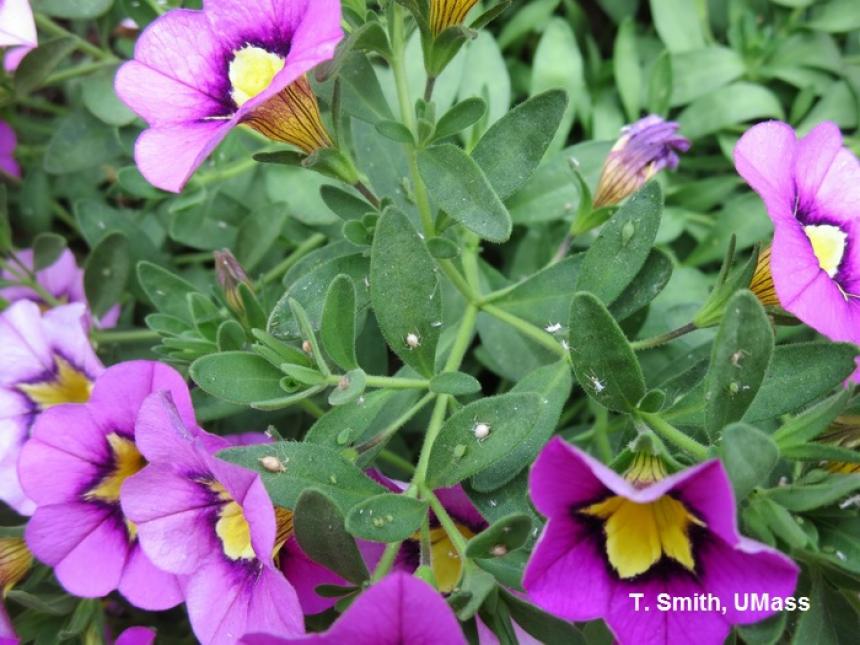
<point x="544" y="297"/>
<point x="258" y="233"/>
<point x="458" y="453"/>
<point x="303" y="466"/>
<point x="628" y="72"/>
<point x="623" y="246"/>
<point x="660" y="84"/>
<point x="739" y="360"/>
<point x="72" y="9"/>
<point x="101" y="100"/>
<point x="647" y="285"/>
<point x="350" y="387"/>
<point x="749" y="456"/>
<point x="386" y="518"/>
<point x="727" y="106"/>
<point x="5" y="226"/>
<point x="678" y="24"/>
<point x="800" y="497"/>
<point x="800" y="374"/>
<point x="501" y="537"/>
<point x="405" y="292"/>
<point x="513" y="148"/>
<point x="463" y="115"/>
<point x="79" y="142"/>
<point x="461" y="189"/>
<point x="697" y="72"/>
<point x="166" y="290"/>
<point x="47" y="249"/>
<point x="811" y="422"/>
<point x="343" y="204"/>
<point x="553" y="383"/>
<point x="106" y="273"/>
<point x="835" y="16"/>
<point x="319" y="527"/>
<point x="603" y="361"/>
<point x="237" y="377"/>
<point x="455" y="384"/>
<point x="546" y="628"/>
<point x="337" y="330"/>
<point x="395" y="131"/>
<point x="230" y="336"/>
<point x="830" y="620"/>
<point x="39" y="63"/>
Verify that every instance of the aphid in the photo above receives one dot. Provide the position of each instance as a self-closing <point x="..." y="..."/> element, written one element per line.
<point x="413" y="340"/>
<point x="481" y="430"/>
<point x="553" y="328"/>
<point x="499" y="550"/>
<point x="737" y="357"/>
<point x="596" y="383"/>
<point x="272" y="464"/>
<point x="307" y="348"/>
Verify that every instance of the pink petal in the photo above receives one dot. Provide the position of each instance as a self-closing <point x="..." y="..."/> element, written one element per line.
<point x="764" y="156"/>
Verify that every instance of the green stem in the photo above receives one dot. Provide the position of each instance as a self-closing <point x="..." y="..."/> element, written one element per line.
<point x="311" y="408"/>
<point x="78" y="70"/>
<point x="662" y="339"/>
<point x="193" y="258"/>
<point x="398" y="423"/>
<point x="459" y="281"/>
<point x="397" y="383"/>
<point x="447" y="523"/>
<point x="116" y="336"/>
<point x="301" y="251"/>
<point x="49" y="26"/>
<point x="386" y="561"/>
<point x="601" y="434"/>
<point x="64" y="215"/>
<point x="527" y="329"/>
<point x="227" y="172"/>
<point x="672" y="434"/>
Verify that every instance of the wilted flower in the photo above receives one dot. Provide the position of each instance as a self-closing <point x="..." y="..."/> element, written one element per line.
<point x="811" y="188"/>
<point x="8" y="143"/>
<point x="397" y="609"/>
<point x="608" y="537"/>
<point x="202" y="517"/>
<point x="447" y="13"/>
<point x="74" y="467"/>
<point x="643" y="150"/>
<point x="47" y="360"/>
<point x="844" y="432"/>
<point x="16" y="24"/>
<point x="198" y="74"/>
<point x="64" y="280"/>
<point x="15" y="562"/>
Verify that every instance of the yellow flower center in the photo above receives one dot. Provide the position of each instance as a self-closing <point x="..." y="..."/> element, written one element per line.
<point x="251" y="71"/>
<point x="444" y="561"/>
<point x="645" y="469"/>
<point x="234" y="531"/>
<point x="69" y="386"/>
<point x="828" y="244"/>
<point x="638" y="536"/>
<point x="15" y="562"/>
<point x="127" y="461"/>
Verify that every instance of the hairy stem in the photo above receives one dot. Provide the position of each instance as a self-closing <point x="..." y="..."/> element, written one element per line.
<point x="662" y="339"/>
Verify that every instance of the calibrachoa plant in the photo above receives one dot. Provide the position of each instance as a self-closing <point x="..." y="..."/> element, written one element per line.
<point x="429" y="321"/>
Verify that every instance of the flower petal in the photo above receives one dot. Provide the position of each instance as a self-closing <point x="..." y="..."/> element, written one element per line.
<point x="764" y="156"/>
<point x="146" y="586"/>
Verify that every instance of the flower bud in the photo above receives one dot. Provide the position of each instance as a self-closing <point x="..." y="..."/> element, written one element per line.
<point x="230" y="275"/>
<point x="15" y="561"/>
<point x="643" y="150"/>
<point x="448" y="13"/>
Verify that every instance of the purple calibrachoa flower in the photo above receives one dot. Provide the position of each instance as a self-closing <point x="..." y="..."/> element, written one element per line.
<point x="64" y="280"/>
<point x="607" y="538"/>
<point x="643" y="149"/>
<point x="136" y="636"/>
<point x="17" y="26"/>
<point x="398" y="609"/>
<point x="202" y="517"/>
<point x="197" y="74"/>
<point x="74" y="467"/>
<point x="8" y="143"/>
<point x="811" y="188"/>
<point x="47" y="360"/>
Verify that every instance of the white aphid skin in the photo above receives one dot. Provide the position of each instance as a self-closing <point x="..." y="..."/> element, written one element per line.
<point x="413" y="340"/>
<point x="272" y="464"/>
<point x="553" y="328"/>
<point x="307" y="348"/>
<point x="596" y="383"/>
<point x="481" y="431"/>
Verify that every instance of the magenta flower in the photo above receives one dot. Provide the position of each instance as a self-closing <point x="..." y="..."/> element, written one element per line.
<point x="136" y="636"/>
<point x="811" y="188"/>
<point x="197" y="74"/>
<point x="202" y="517"/>
<point x="643" y="149"/>
<point x="608" y="538"/>
<point x="74" y="467"/>
<point x="8" y="143"/>
<point x="17" y="26"/>
<point x="63" y="279"/>
<point x="7" y="629"/>
<point x="47" y="360"/>
<point x="398" y="609"/>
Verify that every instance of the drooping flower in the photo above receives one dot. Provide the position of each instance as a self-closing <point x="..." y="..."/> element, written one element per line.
<point x="198" y="74"/>
<point x="15" y="562"/>
<point x="607" y="537"/>
<point x="8" y="143"/>
<point x="74" y="467"/>
<point x="17" y="26"/>
<point x="397" y="609"/>
<point x="448" y="13"/>
<point x="47" y="360"/>
<point x="64" y="280"/>
<point x="811" y="189"/>
<point x="202" y="517"/>
<point x="643" y="149"/>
